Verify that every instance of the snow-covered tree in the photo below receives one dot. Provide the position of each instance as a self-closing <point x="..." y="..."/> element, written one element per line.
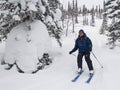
<point x="17" y="11"/>
<point x="18" y="22"/>
<point x="92" y="22"/>
<point x="113" y="12"/>
<point x="73" y="16"/>
<point x="64" y="15"/>
<point x="80" y="11"/>
<point x="69" y="9"/>
<point x="76" y="12"/>
<point x="104" y="26"/>
<point x="100" y="12"/>
<point x="97" y="12"/>
<point x="84" y="14"/>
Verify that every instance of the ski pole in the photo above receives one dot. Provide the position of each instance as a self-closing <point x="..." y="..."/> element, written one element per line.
<point x="74" y="55"/>
<point x="97" y="60"/>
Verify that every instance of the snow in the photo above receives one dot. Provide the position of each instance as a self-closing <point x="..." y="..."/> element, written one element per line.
<point x="13" y="1"/>
<point x="57" y="14"/>
<point x="2" y="2"/>
<point x="2" y="12"/>
<point x="31" y="6"/>
<point x="16" y="17"/>
<point x="23" y="4"/>
<point x="42" y="9"/>
<point x="49" y="20"/>
<point x="25" y="46"/>
<point x="59" y="75"/>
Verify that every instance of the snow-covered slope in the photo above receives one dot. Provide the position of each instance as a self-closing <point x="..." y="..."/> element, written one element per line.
<point x="59" y="75"/>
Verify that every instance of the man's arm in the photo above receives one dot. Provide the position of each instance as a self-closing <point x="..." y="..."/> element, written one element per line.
<point x="90" y="44"/>
<point x="75" y="47"/>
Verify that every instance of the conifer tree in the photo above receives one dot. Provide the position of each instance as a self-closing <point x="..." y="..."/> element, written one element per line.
<point x="73" y="16"/>
<point x="112" y="11"/>
<point x="76" y="12"/>
<point x="84" y="14"/>
<point x="104" y="26"/>
<point x="92" y="22"/>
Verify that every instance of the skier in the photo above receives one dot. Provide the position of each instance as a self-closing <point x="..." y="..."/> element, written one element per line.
<point x="84" y="45"/>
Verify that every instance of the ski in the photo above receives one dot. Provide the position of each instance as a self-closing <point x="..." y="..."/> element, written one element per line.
<point x="78" y="75"/>
<point x="89" y="78"/>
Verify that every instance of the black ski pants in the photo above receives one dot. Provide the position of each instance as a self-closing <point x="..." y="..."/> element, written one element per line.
<point x="87" y="59"/>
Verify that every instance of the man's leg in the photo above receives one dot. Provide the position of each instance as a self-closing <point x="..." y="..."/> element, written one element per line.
<point x="88" y="60"/>
<point x="79" y="60"/>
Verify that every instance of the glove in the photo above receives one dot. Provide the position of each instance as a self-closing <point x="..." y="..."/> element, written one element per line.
<point x="90" y="49"/>
<point x="70" y="52"/>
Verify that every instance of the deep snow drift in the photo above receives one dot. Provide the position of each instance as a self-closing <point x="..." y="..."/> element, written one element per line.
<point x="59" y="75"/>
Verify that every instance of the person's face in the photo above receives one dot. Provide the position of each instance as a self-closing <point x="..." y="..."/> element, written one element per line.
<point x="81" y="34"/>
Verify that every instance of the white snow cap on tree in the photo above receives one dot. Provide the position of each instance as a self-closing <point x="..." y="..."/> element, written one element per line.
<point x="23" y="4"/>
<point x="16" y="17"/>
<point x="25" y="46"/>
<point x="57" y="14"/>
<point x="13" y="1"/>
<point x="42" y="9"/>
<point x="31" y="6"/>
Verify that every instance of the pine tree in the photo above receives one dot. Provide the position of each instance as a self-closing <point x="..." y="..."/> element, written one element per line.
<point x="76" y="12"/>
<point x="69" y="9"/>
<point x="92" y="23"/>
<point x="68" y="17"/>
<point x="84" y="14"/>
<point x="73" y="15"/>
<point x="113" y="10"/>
<point x="87" y="22"/>
<point x="100" y="12"/>
<point x="80" y="10"/>
<point x="53" y="4"/>
<point x="104" y="26"/>
<point x="97" y="12"/>
<point x="64" y="15"/>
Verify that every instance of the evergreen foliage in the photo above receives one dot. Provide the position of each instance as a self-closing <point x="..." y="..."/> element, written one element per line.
<point x="104" y="26"/>
<point x="113" y="12"/>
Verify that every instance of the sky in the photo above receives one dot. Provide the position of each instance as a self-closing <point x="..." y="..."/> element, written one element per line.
<point x="88" y="3"/>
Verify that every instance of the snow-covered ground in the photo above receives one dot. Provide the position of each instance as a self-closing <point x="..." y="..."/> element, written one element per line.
<point x="58" y="76"/>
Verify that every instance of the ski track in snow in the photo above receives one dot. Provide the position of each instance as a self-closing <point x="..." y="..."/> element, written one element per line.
<point x="59" y="74"/>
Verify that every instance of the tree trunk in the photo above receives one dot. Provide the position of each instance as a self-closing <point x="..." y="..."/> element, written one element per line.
<point x="67" y="27"/>
<point x="73" y="24"/>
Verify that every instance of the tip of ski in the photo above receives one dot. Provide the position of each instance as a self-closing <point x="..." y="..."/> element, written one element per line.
<point x="89" y="79"/>
<point x="76" y="77"/>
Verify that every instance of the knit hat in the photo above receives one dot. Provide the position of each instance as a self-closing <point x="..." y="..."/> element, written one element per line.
<point x="81" y="30"/>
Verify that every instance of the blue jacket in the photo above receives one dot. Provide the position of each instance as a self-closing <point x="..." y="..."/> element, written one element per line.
<point x="84" y="44"/>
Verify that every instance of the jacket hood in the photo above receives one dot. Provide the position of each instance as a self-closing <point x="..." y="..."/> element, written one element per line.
<point x="81" y="30"/>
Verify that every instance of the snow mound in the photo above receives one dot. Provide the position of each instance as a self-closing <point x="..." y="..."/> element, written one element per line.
<point x="25" y="44"/>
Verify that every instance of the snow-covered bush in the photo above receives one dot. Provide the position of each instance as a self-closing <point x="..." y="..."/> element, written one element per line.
<point x="28" y="26"/>
<point x="26" y="44"/>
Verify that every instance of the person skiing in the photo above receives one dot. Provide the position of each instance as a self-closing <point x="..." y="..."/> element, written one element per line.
<point x="84" y="45"/>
